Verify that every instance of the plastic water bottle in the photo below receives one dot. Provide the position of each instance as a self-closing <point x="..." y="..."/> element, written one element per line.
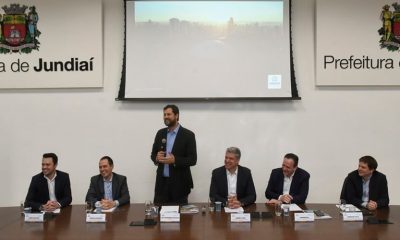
<point x="98" y="207"/>
<point x="342" y="205"/>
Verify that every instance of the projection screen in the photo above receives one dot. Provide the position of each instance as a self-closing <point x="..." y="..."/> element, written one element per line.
<point x="207" y="50"/>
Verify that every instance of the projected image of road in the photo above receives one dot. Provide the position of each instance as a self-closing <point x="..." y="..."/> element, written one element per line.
<point x="207" y="49"/>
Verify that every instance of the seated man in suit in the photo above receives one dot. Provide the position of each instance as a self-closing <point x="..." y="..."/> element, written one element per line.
<point x="50" y="189"/>
<point x="108" y="188"/>
<point x="288" y="184"/>
<point x="232" y="184"/>
<point x="366" y="187"/>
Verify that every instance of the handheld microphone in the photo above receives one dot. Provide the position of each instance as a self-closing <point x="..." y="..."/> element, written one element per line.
<point x="163" y="146"/>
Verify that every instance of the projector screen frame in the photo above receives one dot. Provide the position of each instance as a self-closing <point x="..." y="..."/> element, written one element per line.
<point x="294" y="90"/>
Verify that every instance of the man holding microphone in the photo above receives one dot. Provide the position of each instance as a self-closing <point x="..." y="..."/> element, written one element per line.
<point x="173" y="152"/>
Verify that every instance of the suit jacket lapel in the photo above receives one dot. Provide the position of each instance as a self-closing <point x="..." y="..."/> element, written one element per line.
<point x="57" y="185"/>
<point x="100" y="185"/>
<point x="359" y="186"/>
<point x="114" y="187"/>
<point x="177" y="137"/>
<point x="280" y="179"/>
<point x="45" y="187"/>
<point x="224" y="182"/>
<point x="293" y="185"/>
<point x="372" y="187"/>
<point x="239" y="181"/>
<point x="164" y="135"/>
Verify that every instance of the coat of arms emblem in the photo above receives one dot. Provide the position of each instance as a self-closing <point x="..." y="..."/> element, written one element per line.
<point x="18" y="29"/>
<point x="390" y="30"/>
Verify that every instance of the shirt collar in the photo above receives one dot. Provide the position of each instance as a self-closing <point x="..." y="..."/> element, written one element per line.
<point x="176" y="129"/>
<point x="105" y="180"/>
<point x="232" y="174"/>
<point x="48" y="179"/>
<point x="366" y="180"/>
<point x="291" y="176"/>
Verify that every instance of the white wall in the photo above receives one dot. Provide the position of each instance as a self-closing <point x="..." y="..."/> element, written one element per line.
<point x="330" y="128"/>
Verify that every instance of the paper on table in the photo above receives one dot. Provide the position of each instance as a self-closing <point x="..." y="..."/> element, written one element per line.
<point x="348" y="208"/>
<point x="57" y="211"/>
<point x="294" y="208"/>
<point x="169" y="214"/>
<point x="174" y="209"/>
<point x="326" y="216"/>
<point x="323" y="217"/>
<point x="234" y="210"/>
<point x="108" y="210"/>
<point x="189" y="209"/>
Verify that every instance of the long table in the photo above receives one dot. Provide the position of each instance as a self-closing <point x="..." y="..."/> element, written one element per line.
<point x="70" y="224"/>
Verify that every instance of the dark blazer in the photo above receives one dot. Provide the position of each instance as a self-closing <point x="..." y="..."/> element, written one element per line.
<point x="120" y="190"/>
<point x="298" y="188"/>
<point x="185" y="153"/>
<point x="38" y="193"/>
<point x="378" y="189"/>
<point x="245" y="190"/>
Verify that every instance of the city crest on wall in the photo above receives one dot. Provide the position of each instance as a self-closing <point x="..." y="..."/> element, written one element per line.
<point x="390" y="30"/>
<point x="18" y="29"/>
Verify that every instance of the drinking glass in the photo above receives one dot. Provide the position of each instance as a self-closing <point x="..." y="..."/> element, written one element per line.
<point x="286" y="209"/>
<point x="88" y="207"/>
<point x="21" y="207"/>
<point x="210" y="205"/>
<point x="154" y="211"/>
<point x="147" y="207"/>
<point x="342" y="205"/>
<point x="278" y="209"/>
<point x="231" y="198"/>
<point x="218" y="206"/>
<point x="98" y="207"/>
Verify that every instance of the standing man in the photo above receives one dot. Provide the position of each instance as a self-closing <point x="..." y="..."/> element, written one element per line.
<point x="50" y="189"/>
<point x="288" y="184"/>
<point x="232" y="184"/>
<point x="366" y="187"/>
<point x="174" y="152"/>
<point x="108" y="188"/>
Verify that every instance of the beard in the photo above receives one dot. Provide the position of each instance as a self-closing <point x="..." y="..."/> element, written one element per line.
<point x="169" y="122"/>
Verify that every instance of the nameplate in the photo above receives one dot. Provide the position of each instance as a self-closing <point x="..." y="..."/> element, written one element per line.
<point x="352" y="216"/>
<point x="170" y="217"/>
<point x="240" y="217"/>
<point x="34" y="217"/>
<point x="95" y="217"/>
<point x="304" y="217"/>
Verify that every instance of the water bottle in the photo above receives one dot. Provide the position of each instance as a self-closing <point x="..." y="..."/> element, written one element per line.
<point x="21" y="208"/>
<point x="342" y="205"/>
<point x="98" y="207"/>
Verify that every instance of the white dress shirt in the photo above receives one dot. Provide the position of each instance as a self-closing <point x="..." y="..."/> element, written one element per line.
<point x="51" y="184"/>
<point x="287" y="182"/>
<point x="232" y="181"/>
